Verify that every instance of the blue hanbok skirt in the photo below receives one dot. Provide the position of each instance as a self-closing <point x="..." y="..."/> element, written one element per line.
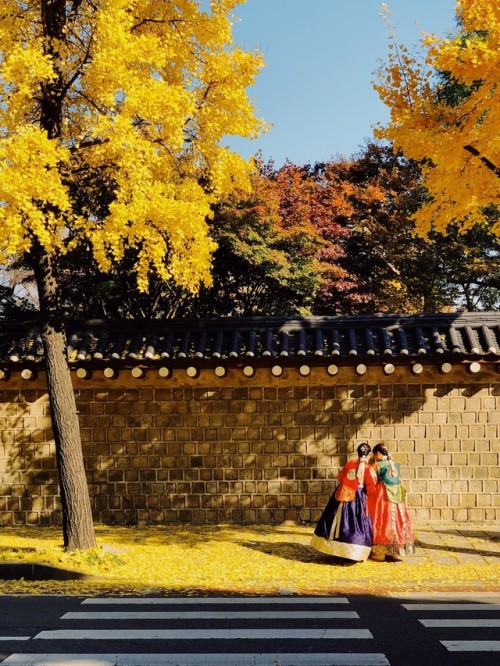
<point x="345" y="529"/>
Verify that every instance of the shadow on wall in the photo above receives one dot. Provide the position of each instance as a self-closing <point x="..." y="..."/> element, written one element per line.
<point x="263" y="454"/>
<point x="29" y="483"/>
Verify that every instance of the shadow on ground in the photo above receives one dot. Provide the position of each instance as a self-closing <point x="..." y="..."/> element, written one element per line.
<point x="35" y="571"/>
<point x="297" y="552"/>
<point x="447" y="548"/>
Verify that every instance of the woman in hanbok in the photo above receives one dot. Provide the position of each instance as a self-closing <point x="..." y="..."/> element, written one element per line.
<point x="345" y="529"/>
<point x="392" y="531"/>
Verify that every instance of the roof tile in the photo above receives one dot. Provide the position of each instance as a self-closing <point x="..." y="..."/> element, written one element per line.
<point x="351" y="338"/>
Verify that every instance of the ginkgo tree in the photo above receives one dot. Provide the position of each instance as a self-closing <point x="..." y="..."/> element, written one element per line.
<point x="133" y="98"/>
<point x="455" y="136"/>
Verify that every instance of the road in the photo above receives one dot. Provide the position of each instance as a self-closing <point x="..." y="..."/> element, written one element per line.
<point x="414" y="630"/>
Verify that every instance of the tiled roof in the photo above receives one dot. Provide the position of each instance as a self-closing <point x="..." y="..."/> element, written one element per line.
<point x="375" y="339"/>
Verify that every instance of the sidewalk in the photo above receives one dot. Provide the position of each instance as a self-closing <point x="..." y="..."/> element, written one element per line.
<point x="185" y="559"/>
<point x="457" y="543"/>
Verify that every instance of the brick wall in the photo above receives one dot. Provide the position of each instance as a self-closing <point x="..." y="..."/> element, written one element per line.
<point x="263" y="449"/>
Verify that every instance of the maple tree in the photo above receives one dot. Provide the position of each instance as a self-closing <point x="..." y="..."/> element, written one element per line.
<point x="280" y="248"/>
<point x="381" y="251"/>
<point x="365" y="197"/>
<point x="445" y="113"/>
<point x="312" y="204"/>
<point x="135" y="97"/>
<point x="264" y="265"/>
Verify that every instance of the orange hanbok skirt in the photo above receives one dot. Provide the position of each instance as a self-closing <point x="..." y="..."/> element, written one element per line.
<point x="391" y="522"/>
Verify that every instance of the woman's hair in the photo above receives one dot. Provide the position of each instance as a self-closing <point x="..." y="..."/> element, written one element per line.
<point x="364" y="449"/>
<point x="380" y="448"/>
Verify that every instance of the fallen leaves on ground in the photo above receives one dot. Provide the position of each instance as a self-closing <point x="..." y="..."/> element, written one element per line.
<point x="218" y="559"/>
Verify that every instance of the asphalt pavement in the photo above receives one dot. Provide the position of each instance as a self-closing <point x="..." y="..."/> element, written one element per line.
<point x="450" y="629"/>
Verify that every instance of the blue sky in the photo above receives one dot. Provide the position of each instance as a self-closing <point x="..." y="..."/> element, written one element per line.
<point x="320" y="57"/>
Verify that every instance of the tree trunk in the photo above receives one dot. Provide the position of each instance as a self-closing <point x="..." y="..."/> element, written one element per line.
<point x="78" y="529"/>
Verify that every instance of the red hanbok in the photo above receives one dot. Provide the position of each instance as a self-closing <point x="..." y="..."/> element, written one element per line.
<point x="392" y="531"/>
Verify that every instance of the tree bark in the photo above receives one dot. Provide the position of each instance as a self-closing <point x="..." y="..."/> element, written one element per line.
<point x="78" y="529"/>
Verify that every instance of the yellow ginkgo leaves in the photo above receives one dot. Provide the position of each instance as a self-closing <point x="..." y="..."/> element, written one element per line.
<point x="136" y="97"/>
<point x="450" y="122"/>
<point x="226" y="558"/>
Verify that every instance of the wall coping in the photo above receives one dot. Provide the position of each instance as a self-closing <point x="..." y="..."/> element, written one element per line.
<point x="385" y="341"/>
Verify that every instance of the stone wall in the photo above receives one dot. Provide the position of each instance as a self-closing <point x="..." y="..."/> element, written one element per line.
<point x="260" y="449"/>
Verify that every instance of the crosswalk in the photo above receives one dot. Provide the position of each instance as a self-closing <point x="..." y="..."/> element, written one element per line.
<point x="462" y="615"/>
<point x="299" y="631"/>
<point x="255" y="631"/>
<point x="221" y="659"/>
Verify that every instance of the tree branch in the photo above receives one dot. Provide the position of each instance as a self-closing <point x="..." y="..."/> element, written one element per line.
<point x="484" y="160"/>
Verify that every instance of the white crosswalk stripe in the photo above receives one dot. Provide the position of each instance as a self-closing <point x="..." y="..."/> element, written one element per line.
<point x="216" y="659"/>
<point x="472" y="646"/>
<point x="460" y="622"/>
<point x="452" y="607"/>
<point x="212" y="615"/>
<point x="200" y="634"/>
<point x="249" y="619"/>
<point x="465" y="604"/>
